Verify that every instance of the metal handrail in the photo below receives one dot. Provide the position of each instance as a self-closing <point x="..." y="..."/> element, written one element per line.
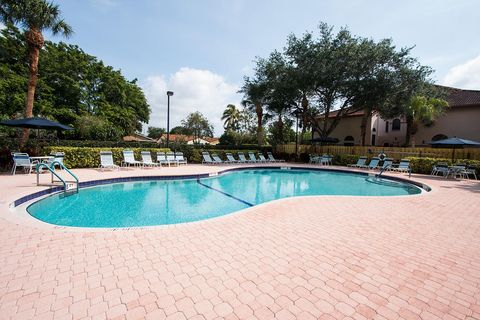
<point x="51" y="167"/>
<point x="383" y="169"/>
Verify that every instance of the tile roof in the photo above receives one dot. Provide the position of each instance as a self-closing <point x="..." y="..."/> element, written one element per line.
<point x="461" y="97"/>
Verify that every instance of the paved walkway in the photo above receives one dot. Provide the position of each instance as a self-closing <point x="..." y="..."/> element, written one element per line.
<point x="413" y="257"/>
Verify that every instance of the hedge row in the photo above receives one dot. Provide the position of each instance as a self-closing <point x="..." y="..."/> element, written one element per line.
<point x="81" y="157"/>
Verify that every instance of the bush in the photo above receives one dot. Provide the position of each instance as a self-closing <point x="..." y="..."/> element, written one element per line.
<point x="84" y="157"/>
<point x="104" y="144"/>
<point x="425" y="165"/>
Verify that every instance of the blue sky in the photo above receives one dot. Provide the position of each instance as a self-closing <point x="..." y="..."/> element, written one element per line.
<point x="202" y="49"/>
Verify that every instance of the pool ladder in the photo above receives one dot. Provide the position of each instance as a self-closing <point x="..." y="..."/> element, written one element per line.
<point x="69" y="186"/>
<point x="381" y="171"/>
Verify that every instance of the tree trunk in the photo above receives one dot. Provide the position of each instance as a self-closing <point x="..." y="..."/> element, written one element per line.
<point x="35" y="43"/>
<point x="409" y="130"/>
<point x="280" y="129"/>
<point x="363" y="126"/>
<point x="304" y="117"/>
<point x="259" y="112"/>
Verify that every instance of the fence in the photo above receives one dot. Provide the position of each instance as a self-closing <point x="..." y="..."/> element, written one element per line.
<point x="392" y="152"/>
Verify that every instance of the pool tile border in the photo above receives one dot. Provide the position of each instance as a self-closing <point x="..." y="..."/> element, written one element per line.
<point x="93" y="183"/>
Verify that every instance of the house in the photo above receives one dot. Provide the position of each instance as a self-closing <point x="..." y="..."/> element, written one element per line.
<point x="461" y="119"/>
<point x="138" y="137"/>
<point x="189" y="139"/>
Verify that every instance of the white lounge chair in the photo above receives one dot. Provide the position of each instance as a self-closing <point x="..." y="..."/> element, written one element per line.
<point x="106" y="161"/>
<point x="147" y="159"/>
<point x="171" y="158"/>
<point x="162" y="158"/>
<point x="129" y="159"/>
<point x="22" y="160"/>
<point x="252" y="157"/>
<point x="180" y="158"/>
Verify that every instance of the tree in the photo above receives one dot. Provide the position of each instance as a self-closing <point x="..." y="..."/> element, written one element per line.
<point x="178" y="130"/>
<point x="254" y="92"/>
<point x="72" y="85"/>
<point x="35" y="16"/>
<point x="231" y="116"/>
<point x="197" y="125"/>
<point x="155" y="132"/>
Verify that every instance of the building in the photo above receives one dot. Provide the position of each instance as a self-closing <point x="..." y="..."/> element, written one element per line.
<point x="461" y="119"/>
<point x="189" y="139"/>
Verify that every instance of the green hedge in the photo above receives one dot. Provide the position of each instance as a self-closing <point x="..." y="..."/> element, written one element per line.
<point x="84" y="157"/>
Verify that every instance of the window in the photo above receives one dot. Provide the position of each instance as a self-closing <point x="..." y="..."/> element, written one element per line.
<point x="439" y="137"/>
<point x="396" y="124"/>
<point x="386" y="126"/>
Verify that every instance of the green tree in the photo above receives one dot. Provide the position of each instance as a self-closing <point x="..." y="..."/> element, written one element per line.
<point x="197" y="125"/>
<point x="231" y="117"/>
<point x="155" y="132"/>
<point x="35" y="16"/>
<point x="73" y="84"/>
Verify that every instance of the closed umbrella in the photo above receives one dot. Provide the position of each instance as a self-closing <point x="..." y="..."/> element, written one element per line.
<point x="455" y="143"/>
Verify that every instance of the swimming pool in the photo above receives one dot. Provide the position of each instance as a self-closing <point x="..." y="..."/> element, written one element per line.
<point x="160" y="202"/>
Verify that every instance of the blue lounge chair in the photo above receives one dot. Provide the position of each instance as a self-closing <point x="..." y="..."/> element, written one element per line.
<point x="262" y="158"/>
<point x="162" y="158"/>
<point x="242" y="158"/>
<point x="231" y="158"/>
<point x="387" y="164"/>
<point x="360" y="163"/>
<point x="403" y="166"/>
<point x="272" y="159"/>
<point x="252" y="157"/>
<point x="373" y="164"/>
<point x="217" y="159"/>
<point x="207" y="159"/>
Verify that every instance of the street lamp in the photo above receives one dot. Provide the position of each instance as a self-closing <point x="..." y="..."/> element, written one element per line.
<point x="169" y="94"/>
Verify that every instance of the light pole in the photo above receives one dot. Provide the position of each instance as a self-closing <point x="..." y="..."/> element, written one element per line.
<point x="296" y="136"/>
<point x="169" y="94"/>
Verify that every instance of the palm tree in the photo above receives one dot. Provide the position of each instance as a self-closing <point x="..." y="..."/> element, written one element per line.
<point x="255" y="99"/>
<point x="422" y="111"/>
<point x="231" y="116"/>
<point x="35" y="16"/>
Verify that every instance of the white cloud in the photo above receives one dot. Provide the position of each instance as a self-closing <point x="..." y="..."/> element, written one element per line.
<point x="194" y="90"/>
<point x="465" y="75"/>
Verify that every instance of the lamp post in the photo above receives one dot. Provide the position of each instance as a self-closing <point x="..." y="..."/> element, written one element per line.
<point x="169" y="94"/>
<point x="296" y="136"/>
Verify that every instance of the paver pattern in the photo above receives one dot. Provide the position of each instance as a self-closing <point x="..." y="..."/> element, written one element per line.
<point x="325" y="257"/>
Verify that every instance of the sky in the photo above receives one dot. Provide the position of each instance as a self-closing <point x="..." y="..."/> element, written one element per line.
<point x="202" y="50"/>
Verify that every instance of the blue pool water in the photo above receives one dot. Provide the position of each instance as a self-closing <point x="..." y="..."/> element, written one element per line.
<point x="160" y="202"/>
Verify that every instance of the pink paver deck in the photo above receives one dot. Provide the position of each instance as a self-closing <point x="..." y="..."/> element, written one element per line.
<point x="325" y="257"/>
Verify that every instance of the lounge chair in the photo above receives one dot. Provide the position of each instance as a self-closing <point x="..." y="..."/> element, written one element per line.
<point x="387" y="164"/>
<point x="440" y="168"/>
<point x="403" y="166"/>
<point x="147" y="159"/>
<point x="325" y="160"/>
<point x="22" y="160"/>
<point x="162" y="158"/>
<point x="207" y="159"/>
<point x="129" y="159"/>
<point x="171" y="158"/>
<point x="252" y="157"/>
<point x="272" y="159"/>
<point x="373" y="164"/>
<point x="458" y="170"/>
<point x="262" y="158"/>
<point x="471" y="170"/>
<point x="106" y="161"/>
<point x="217" y="159"/>
<point x="360" y="163"/>
<point x="231" y="158"/>
<point x="314" y="158"/>
<point x="180" y="158"/>
<point x="242" y="158"/>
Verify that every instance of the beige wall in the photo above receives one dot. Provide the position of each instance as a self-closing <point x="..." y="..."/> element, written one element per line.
<point x="461" y="122"/>
<point x="349" y="126"/>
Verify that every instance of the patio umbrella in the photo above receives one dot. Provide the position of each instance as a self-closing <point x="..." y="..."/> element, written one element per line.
<point x="455" y="143"/>
<point x="35" y="123"/>
<point x="325" y="140"/>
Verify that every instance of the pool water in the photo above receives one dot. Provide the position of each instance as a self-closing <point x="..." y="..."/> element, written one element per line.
<point x="163" y="202"/>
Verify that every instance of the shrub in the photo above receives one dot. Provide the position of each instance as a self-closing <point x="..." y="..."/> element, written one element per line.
<point x="84" y="157"/>
<point x="425" y="165"/>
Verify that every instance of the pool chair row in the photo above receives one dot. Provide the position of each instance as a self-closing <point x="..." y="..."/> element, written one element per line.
<point x="384" y="165"/>
<point x="325" y="159"/>
<point x="215" y="158"/>
<point x="459" y="170"/>
<point x="163" y="158"/>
